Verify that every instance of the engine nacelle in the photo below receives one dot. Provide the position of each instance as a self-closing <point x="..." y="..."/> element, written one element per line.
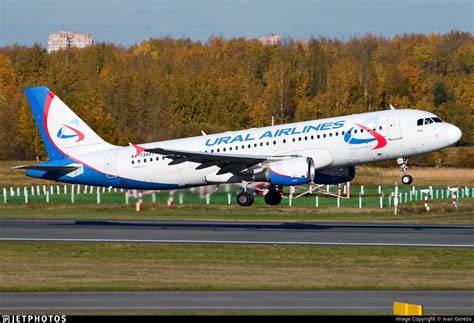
<point x="288" y="172"/>
<point x="336" y="175"/>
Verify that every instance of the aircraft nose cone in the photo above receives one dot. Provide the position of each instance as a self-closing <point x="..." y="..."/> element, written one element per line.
<point x="453" y="133"/>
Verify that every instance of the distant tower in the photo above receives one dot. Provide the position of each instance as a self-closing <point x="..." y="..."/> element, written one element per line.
<point x="68" y="39"/>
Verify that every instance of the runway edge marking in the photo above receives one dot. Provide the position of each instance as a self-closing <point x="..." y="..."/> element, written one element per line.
<point x="249" y="242"/>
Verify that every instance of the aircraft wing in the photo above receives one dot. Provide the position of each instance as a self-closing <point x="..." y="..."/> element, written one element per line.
<point x="227" y="162"/>
<point x="54" y="169"/>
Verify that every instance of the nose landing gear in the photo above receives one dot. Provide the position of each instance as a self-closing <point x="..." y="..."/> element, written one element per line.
<point x="406" y="179"/>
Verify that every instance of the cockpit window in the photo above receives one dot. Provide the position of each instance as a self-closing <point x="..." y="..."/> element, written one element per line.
<point x="426" y="121"/>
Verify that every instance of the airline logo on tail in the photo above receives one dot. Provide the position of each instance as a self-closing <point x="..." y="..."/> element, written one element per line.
<point x="350" y="139"/>
<point x="67" y="132"/>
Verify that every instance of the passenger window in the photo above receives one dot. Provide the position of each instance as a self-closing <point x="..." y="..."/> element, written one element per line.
<point x="274" y="142"/>
<point x="419" y="122"/>
<point x="223" y="149"/>
<point x="428" y="121"/>
<point x="294" y="139"/>
<point x="284" y="141"/>
<point x="157" y="158"/>
<point x="133" y="162"/>
<point x="342" y="133"/>
<point x="324" y="136"/>
<point x="330" y="134"/>
<point x="319" y="136"/>
<point x="312" y="137"/>
<point x="268" y="143"/>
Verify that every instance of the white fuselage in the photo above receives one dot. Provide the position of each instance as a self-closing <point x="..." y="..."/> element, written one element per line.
<point x="402" y="137"/>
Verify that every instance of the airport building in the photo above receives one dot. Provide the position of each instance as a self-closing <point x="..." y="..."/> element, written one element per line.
<point x="68" y="39"/>
<point x="270" y="39"/>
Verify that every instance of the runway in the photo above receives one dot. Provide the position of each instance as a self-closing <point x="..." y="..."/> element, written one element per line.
<point x="238" y="233"/>
<point x="434" y="302"/>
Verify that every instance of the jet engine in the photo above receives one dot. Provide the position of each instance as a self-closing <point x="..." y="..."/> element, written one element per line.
<point x="335" y="175"/>
<point x="288" y="172"/>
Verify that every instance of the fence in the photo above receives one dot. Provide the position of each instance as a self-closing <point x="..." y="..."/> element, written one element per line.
<point x="363" y="196"/>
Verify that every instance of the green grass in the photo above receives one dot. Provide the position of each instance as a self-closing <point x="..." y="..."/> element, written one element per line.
<point x="194" y="207"/>
<point x="441" y="212"/>
<point x="99" y="266"/>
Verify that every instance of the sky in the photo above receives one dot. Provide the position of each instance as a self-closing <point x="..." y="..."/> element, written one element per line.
<point x="128" y="22"/>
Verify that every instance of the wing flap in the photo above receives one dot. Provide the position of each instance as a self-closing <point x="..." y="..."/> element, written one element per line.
<point x="201" y="157"/>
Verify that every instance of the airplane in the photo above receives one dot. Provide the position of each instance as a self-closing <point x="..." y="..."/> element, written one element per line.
<point x="322" y="151"/>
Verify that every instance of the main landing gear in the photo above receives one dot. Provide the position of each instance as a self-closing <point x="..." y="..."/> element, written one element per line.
<point x="406" y="179"/>
<point x="273" y="197"/>
<point x="245" y="198"/>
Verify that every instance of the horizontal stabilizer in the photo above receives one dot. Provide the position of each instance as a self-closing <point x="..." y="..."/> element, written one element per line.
<point x="54" y="169"/>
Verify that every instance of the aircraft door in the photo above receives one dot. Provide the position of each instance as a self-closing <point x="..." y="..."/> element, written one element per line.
<point x="394" y="131"/>
<point x="110" y="167"/>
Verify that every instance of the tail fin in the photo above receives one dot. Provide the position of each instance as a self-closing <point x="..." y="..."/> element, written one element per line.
<point x="63" y="132"/>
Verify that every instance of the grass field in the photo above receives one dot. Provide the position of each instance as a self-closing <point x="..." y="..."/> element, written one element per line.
<point x="441" y="213"/>
<point x="315" y="207"/>
<point x="98" y="266"/>
<point x="422" y="176"/>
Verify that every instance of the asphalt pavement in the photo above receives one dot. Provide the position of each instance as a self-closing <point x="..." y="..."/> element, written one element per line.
<point x="238" y="233"/>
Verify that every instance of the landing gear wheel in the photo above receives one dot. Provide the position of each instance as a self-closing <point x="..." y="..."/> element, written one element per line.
<point x="407" y="179"/>
<point x="273" y="198"/>
<point x="245" y="199"/>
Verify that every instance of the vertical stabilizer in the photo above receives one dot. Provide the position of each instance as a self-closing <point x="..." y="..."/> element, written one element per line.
<point x="63" y="132"/>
